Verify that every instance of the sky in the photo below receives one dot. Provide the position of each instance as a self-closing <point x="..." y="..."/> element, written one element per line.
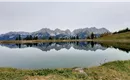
<point x="32" y="16"/>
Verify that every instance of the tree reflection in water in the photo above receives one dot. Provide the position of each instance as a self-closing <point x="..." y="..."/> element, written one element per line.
<point x="93" y="46"/>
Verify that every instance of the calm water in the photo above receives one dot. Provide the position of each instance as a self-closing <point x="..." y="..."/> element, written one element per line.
<point x="59" y="55"/>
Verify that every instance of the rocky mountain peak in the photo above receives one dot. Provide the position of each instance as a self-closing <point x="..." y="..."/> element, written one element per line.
<point x="46" y="32"/>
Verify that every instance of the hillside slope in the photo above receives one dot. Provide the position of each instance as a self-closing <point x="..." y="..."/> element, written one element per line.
<point x="118" y="36"/>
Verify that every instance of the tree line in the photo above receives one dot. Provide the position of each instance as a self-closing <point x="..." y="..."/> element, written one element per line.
<point x="117" y="32"/>
<point x="122" y="31"/>
<point x="30" y="37"/>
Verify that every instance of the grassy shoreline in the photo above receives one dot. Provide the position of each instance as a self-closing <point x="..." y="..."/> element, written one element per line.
<point x="39" y="41"/>
<point x="116" y="70"/>
<point x="85" y="40"/>
<point x="120" y="37"/>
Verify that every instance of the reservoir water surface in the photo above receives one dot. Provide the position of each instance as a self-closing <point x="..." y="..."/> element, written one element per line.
<point x="60" y="55"/>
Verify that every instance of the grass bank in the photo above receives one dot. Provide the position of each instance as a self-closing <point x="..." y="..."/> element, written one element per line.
<point x="125" y="36"/>
<point x="117" y="70"/>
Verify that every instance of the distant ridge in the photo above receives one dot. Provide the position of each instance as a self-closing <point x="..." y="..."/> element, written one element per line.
<point x="57" y="33"/>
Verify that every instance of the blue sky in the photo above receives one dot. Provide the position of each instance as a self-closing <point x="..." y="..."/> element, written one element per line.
<point x="32" y="16"/>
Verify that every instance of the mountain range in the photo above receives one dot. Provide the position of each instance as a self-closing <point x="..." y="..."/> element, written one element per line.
<point x="57" y="33"/>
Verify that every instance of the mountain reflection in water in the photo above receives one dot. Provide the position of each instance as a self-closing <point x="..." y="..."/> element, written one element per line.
<point x="93" y="46"/>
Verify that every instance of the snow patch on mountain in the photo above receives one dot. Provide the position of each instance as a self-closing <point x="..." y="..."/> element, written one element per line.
<point x="46" y="32"/>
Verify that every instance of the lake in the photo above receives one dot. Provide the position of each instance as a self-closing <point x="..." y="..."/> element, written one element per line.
<point x="61" y="55"/>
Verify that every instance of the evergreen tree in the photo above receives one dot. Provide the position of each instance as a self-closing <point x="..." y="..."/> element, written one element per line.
<point x="74" y="37"/>
<point x="88" y="37"/>
<point x="77" y="37"/>
<point x="92" y="35"/>
<point x="26" y="38"/>
<point x="19" y="37"/>
<point x="124" y="30"/>
<point x="30" y="37"/>
<point x="16" y="38"/>
<point x="50" y="38"/>
<point x="36" y="37"/>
